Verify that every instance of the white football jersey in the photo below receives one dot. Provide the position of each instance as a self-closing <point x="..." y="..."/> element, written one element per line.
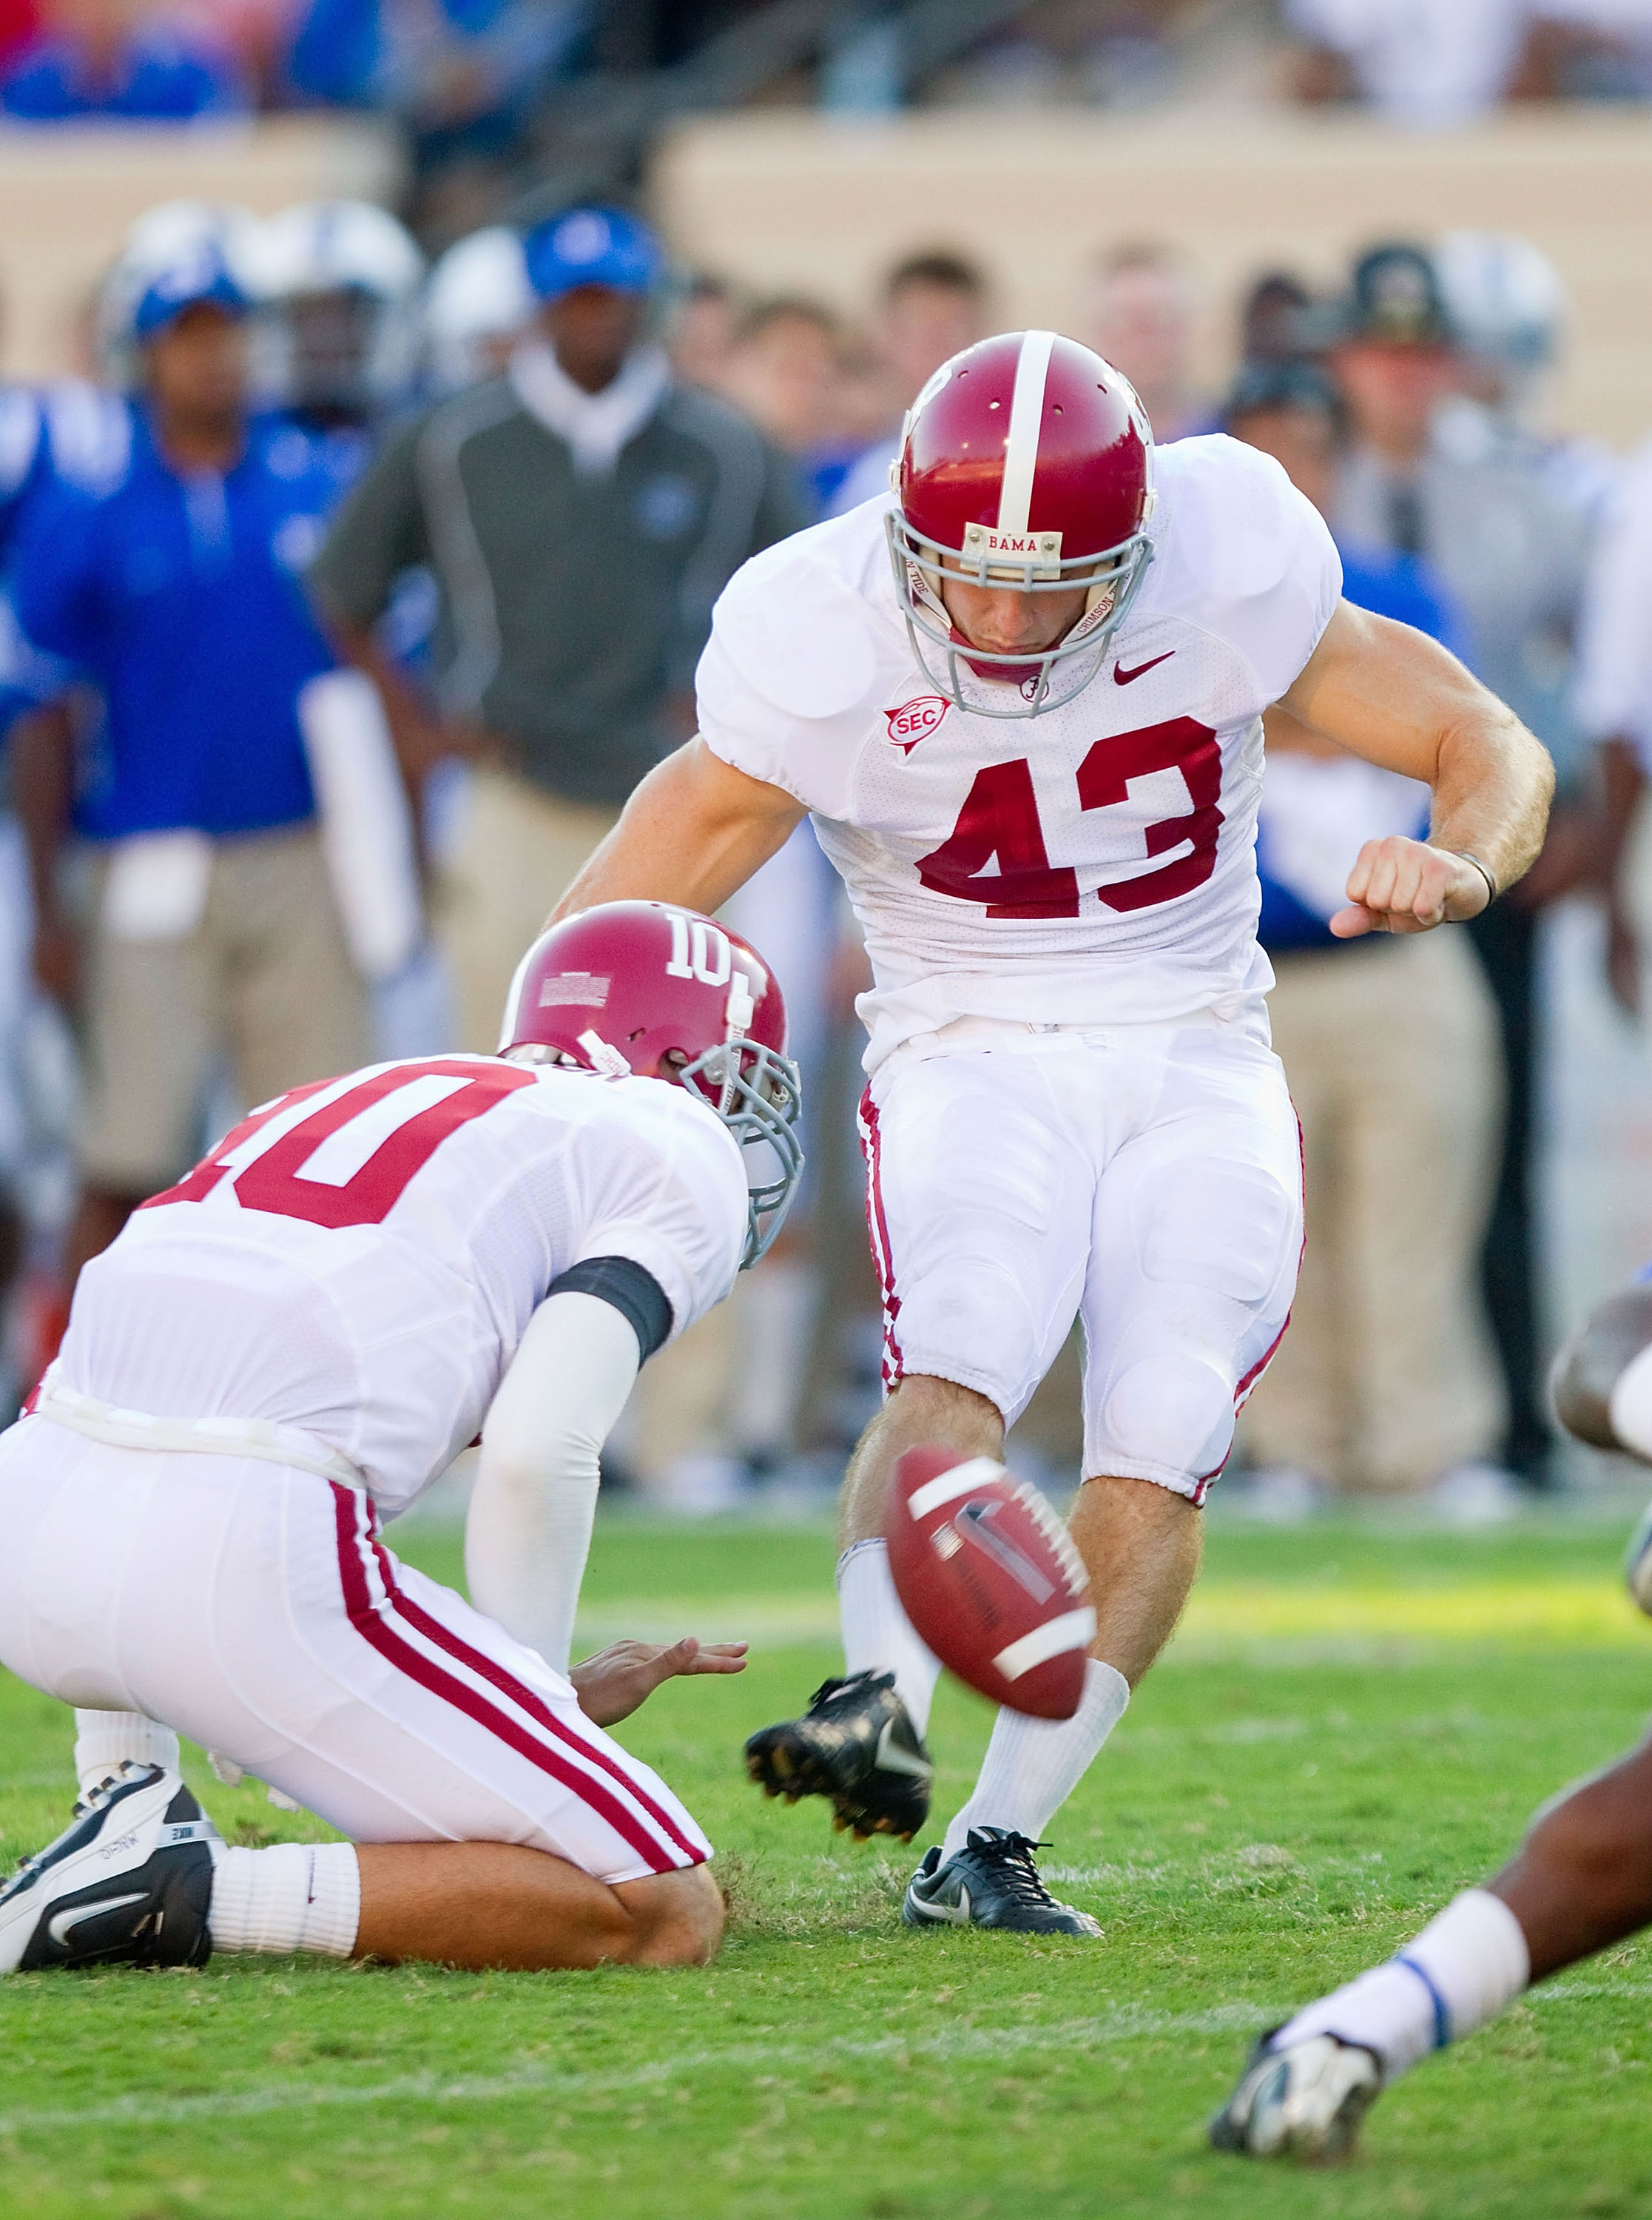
<point x="1094" y="865"/>
<point x="361" y="1258"/>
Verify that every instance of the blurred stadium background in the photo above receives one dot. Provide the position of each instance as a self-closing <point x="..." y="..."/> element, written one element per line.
<point x="1126" y="170"/>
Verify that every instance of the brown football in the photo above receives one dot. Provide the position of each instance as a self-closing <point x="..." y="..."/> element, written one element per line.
<point x="988" y="1576"/>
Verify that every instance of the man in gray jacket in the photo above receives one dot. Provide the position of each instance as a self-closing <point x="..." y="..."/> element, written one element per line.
<point x="580" y="516"/>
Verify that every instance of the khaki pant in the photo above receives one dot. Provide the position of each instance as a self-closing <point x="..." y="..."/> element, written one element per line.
<point x="1386" y="1376"/>
<point x="264" y="977"/>
<point x="518" y="852"/>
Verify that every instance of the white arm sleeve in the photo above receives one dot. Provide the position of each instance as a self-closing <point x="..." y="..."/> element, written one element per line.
<point x="529" y="1527"/>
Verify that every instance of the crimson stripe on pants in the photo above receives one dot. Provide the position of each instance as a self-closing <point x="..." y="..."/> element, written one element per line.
<point x="369" y="1622"/>
<point x="877" y="1231"/>
<point x="489" y="1669"/>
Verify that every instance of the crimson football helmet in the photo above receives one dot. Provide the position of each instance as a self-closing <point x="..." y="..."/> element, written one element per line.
<point x="1026" y="461"/>
<point x="645" y="988"/>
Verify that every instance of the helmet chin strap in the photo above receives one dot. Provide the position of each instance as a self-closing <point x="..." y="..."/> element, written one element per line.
<point x="605" y="1057"/>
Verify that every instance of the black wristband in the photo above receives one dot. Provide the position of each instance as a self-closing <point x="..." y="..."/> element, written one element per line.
<point x="632" y="1291"/>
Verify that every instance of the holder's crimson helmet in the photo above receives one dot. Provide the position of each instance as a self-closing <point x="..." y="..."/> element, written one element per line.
<point x="645" y="987"/>
<point x="1026" y="461"/>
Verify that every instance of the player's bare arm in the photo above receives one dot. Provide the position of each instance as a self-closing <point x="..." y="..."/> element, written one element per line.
<point x="693" y="833"/>
<point x="1580" y="1882"/>
<point x="1400" y="700"/>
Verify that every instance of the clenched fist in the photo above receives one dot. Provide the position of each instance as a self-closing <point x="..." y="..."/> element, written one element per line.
<point x="1406" y="886"/>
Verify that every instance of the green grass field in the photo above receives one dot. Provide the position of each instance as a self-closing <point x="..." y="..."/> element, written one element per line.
<point x="1352" y="1725"/>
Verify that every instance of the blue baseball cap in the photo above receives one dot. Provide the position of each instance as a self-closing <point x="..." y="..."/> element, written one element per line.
<point x="591" y="246"/>
<point x="199" y="275"/>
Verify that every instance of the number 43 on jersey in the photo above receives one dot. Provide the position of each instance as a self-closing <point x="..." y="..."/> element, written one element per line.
<point x="999" y="821"/>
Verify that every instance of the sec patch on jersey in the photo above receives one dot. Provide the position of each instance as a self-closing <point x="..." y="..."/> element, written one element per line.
<point x="989" y="1578"/>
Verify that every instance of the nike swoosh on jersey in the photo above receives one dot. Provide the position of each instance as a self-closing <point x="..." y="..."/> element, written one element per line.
<point x="61" y="1924"/>
<point x="1123" y="677"/>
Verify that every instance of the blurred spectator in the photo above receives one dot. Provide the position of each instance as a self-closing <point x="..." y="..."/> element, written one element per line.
<point x="477" y="306"/>
<point x="934" y="306"/>
<point x="1277" y="321"/>
<point x="580" y="516"/>
<point x="463" y="76"/>
<point x="1440" y="62"/>
<point x="701" y="332"/>
<point x="212" y="927"/>
<point x="784" y="368"/>
<point x="102" y="58"/>
<point x="1508" y="312"/>
<point x="1140" y="314"/>
<point x="1421" y="61"/>
<point x="1384" y="1382"/>
<point x="1512" y="552"/>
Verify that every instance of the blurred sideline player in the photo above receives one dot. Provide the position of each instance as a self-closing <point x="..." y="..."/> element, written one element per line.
<point x="345" y="277"/>
<point x="291" y="1345"/>
<point x="215" y="929"/>
<point x="1581" y="1881"/>
<point x="477" y="304"/>
<point x="1023" y="700"/>
<point x="67" y="433"/>
<point x="342" y="284"/>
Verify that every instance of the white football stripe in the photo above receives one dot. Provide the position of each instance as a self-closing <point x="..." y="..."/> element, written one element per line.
<point x="948" y="1485"/>
<point x="1027" y="416"/>
<point x="1074" y="1630"/>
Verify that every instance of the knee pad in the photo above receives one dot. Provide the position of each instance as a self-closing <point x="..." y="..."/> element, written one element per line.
<point x="1172" y="1413"/>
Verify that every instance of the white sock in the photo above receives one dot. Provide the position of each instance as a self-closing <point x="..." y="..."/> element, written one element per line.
<point x="1631" y="1406"/>
<point x="877" y="1636"/>
<point x="1032" y="1766"/>
<point x="297" y="1896"/>
<point x="104" y="1740"/>
<point x="1460" y="1971"/>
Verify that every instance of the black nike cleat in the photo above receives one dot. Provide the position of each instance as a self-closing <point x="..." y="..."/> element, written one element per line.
<point x="991" y="1882"/>
<point x="856" y="1744"/>
<point x="128" y="1883"/>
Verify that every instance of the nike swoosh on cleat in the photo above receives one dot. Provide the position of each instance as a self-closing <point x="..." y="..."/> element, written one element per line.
<point x="945" y="1915"/>
<point x="1123" y="677"/>
<point x="891" y="1760"/>
<point x="60" y="1924"/>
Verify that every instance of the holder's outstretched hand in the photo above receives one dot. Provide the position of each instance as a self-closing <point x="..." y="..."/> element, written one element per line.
<point x="612" y="1684"/>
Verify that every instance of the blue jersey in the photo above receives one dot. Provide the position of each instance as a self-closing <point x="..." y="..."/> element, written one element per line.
<point x="66" y="433"/>
<point x="181" y="599"/>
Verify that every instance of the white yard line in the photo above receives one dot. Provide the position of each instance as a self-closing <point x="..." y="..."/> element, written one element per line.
<point x="1128" y="2023"/>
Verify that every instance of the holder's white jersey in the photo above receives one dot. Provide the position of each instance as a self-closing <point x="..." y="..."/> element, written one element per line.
<point x="360" y="1258"/>
<point x="1094" y="866"/>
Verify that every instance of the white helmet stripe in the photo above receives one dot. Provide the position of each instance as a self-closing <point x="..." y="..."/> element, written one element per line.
<point x="1026" y="414"/>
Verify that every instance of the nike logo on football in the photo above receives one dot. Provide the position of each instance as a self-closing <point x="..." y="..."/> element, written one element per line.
<point x="62" y="1924"/>
<point x="1123" y="677"/>
<point x="891" y="1760"/>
